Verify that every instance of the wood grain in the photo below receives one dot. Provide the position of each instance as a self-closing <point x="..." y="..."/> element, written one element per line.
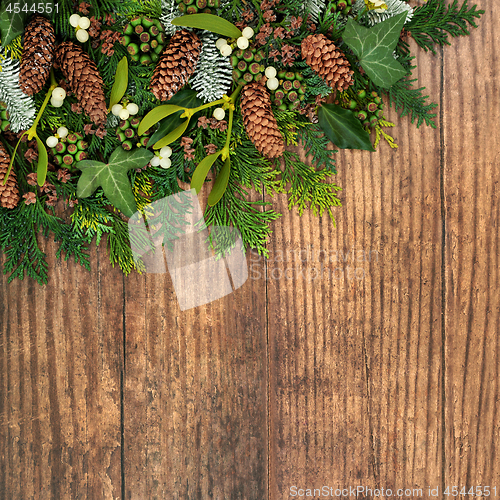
<point x="471" y="113"/>
<point x="60" y="410"/>
<point x="195" y="393"/>
<point x="362" y="354"/>
<point x="355" y="393"/>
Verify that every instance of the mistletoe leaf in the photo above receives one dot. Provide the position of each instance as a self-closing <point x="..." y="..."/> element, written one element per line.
<point x="208" y="22"/>
<point x="374" y="47"/>
<point x="121" y="83"/>
<point x="157" y="114"/>
<point x="202" y="170"/>
<point x="112" y="177"/>
<point x="343" y="128"/>
<point x="220" y="184"/>
<point x="172" y="136"/>
<point x="43" y="161"/>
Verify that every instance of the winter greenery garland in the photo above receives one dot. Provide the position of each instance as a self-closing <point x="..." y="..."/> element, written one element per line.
<point x="261" y="75"/>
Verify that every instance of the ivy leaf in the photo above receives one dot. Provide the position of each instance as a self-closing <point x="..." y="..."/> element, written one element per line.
<point x="220" y="184"/>
<point x="343" y="128"/>
<point x="112" y="177"/>
<point x="121" y="83"/>
<point x="374" y="48"/>
<point x="208" y="22"/>
<point x="186" y="97"/>
<point x="11" y="24"/>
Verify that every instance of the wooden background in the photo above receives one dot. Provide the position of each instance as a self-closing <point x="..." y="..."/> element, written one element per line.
<point x="383" y="374"/>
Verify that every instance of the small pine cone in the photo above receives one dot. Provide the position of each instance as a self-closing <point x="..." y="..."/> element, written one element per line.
<point x="38" y="52"/>
<point x="9" y="194"/>
<point x="83" y="79"/>
<point x="177" y="63"/>
<point x="260" y="123"/>
<point x="327" y="61"/>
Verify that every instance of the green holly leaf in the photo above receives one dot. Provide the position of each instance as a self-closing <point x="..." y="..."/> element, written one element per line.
<point x="112" y="177"/>
<point x="343" y="128"/>
<point x="374" y="47"/>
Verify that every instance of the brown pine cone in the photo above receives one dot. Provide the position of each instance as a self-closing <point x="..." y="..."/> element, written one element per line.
<point x="176" y="64"/>
<point x="83" y="79"/>
<point x="260" y="122"/>
<point x="327" y="61"/>
<point x="9" y="194"/>
<point x="37" y="56"/>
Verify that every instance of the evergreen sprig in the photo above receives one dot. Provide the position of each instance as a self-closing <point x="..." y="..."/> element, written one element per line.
<point x="433" y="22"/>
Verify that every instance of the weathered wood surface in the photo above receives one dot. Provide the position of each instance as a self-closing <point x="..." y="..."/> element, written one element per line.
<point x="373" y="363"/>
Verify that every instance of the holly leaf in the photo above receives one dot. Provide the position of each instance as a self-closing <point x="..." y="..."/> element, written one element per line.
<point x="374" y="48"/>
<point x="343" y="128"/>
<point x="112" y="177"/>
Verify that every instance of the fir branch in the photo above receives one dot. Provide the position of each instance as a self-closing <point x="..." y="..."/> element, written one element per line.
<point x="306" y="187"/>
<point x="19" y="228"/>
<point x="434" y="21"/>
<point x="249" y="217"/>
<point x="169" y="11"/>
<point x="213" y="76"/>
<point x="21" y="107"/>
<point x="372" y="17"/>
<point x="316" y="144"/>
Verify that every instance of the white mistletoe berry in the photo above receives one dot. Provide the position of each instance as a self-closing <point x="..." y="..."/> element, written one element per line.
<point x="51" y="141"/>
<point x="74" y="20"/>
<point x="116" y="109"/>
<point x="155" y="161"/>
<point x="82" y="36"/>
<point x="132" y="108"/>
<point x="57" y="103"/>
<point x="62" y="132"/>
<point x="242" y="43"/>
<point x="59" y="93"/>
<point x="271" y="72"/>
<point x="219" y="114"/>
<point x="124" y="114"/>
<point x="220" y="42"/>
<point x="226" y="50"/>
<point x="165" y="162"/>
<point x="84" y="23"/>
<point x="166" y="152"/>
<point x="272" y="83"/>
<point x="248" y="32"/>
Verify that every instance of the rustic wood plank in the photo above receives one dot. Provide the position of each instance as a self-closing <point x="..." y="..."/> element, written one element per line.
<point x="60" y="371"/>
<point x="471" y="114"/>
<point x="355" y="394"/>
<point x="195" y="400"/>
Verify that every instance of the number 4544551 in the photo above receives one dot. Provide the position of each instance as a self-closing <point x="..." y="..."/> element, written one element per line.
<point x="42" y="8"/>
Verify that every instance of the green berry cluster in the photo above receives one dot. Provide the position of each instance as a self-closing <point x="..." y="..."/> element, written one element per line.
<point x="248" y="65"/>
<point x="4" y="118"/>
<point x="291" y="91"/>
<point x="144" y="39"/>
<point x="70" y="150"/>
<point x="127" y="133"/>
<point x="196" y="6"/>
<point x="368" y="108"/>
<point x="343" y="6"/>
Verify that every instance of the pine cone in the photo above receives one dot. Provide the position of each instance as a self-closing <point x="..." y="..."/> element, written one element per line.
<point x="327" y="61"/>
<point x="177" y="63"/>
<point x="9" y="194"/>
<point x="259" y="120"/>
<point x="83" y="79"/>
<point x="38" y="52"/>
